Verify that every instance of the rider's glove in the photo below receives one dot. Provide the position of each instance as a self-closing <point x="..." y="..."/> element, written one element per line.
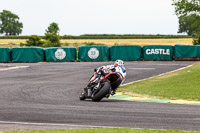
<point x="113" y="70"/>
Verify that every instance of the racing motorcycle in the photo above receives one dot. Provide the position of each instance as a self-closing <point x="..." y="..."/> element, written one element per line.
<point x="100" y="85"/>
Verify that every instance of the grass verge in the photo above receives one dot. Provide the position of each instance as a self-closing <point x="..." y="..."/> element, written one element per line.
<point x="182" y="84"/>
<point x="104" y="130"/>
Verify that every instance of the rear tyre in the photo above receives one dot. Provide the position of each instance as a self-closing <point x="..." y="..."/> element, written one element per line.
<point x="102" y="93"/>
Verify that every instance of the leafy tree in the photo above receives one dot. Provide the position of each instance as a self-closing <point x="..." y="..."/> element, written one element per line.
<point x="188" y="12"/>
<point x="53" y="28"/>
<point x="186" y="7"/>
<point x="9" y="23"/>
<point x="51" y="36"/>
<point x="189" y="24"/>
<point x="34" y="40"/>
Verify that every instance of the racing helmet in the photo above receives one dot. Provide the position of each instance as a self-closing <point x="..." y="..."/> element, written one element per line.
<point x="119" y="63"/>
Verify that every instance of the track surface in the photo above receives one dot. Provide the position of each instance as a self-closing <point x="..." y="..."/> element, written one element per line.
<point x="47" y="94"/>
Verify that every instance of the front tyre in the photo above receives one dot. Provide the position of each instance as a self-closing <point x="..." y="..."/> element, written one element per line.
<point x="102" y="93"/>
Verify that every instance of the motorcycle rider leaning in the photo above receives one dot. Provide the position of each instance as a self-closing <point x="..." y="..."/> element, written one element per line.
<point x="120" y="70"/>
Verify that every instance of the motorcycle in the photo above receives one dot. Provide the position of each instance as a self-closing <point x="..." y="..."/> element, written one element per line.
<point x="100" y="85"/>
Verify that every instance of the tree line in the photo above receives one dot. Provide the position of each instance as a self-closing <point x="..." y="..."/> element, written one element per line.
<point x="107" y="36"/>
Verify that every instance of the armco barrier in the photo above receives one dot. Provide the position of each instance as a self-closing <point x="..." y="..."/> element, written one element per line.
<point x="27" y="54"/>
<point x="5" y="54"/>
<point x="158" y="52"/>
<point x="187" y="51"/>
<point x="60" y="54"/>
<point x="126" y="52"/>
<point x="93" y="53"/>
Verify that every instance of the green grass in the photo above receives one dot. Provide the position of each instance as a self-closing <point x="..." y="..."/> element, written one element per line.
<point x="183" y="84"/>
<point x="104" y="130"/>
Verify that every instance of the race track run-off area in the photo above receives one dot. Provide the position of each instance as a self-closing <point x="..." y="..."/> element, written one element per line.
<point x="46" y="96"/>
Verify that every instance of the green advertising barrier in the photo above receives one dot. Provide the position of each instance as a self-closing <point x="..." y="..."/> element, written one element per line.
<point x="5" y="54"/>
<point x="27" y="54"/>
<point x="198" y="51"/>
<point x="93" y="53"/>
<point x="125" y="52"/>
<point x="187" y="51"/>
<point x="60" y="54"/>
<point x="158" y="52"/>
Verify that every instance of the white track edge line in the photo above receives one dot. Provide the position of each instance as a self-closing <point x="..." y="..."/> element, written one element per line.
<point x="11" y="68"/>
<point x="54" y="124"/>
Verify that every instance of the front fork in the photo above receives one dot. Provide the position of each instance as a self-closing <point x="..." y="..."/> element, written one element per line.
<point x="89" y="92"/>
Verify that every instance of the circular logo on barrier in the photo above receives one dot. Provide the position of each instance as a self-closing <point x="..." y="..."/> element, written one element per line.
<point x="93" y="53"/>
<point x="60" y="54"/>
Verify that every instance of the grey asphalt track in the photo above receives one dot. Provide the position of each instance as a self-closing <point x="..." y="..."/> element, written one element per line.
<point x="46" y="95"/>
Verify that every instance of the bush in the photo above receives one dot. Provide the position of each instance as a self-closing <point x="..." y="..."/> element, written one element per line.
<point x="22" y="44"/>
<point x="196" y="39"/>
<point x="34" y="40"/>
<point x="47" y="44"/>
<point x="52" y="40"/>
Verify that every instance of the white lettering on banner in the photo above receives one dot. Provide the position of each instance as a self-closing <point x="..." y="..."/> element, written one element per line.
<point x="148" y="51"/>
<point x="60" y="54"/>
<point x="158" y="51"/>
<point x="93" y="53"/>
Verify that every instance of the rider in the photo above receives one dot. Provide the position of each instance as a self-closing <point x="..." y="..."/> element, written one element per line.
<point x="120" y="70"/>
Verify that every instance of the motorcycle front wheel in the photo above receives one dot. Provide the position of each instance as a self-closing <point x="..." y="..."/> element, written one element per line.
<point x="102" y="92"/>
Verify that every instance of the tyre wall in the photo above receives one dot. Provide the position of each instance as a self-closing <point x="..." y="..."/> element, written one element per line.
<point x="5" y="54"/>
<point x="27" y="54"/>
<point x="60" y="54"/>
<point x="158" y="52"/>
<point x="126" y="52"/>
<point x="94" y="53"/>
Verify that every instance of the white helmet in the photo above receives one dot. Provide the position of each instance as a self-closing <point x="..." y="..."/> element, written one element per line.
<point x="119" y="63"/>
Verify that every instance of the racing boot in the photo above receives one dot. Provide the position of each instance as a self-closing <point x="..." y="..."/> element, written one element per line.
<point x="113" y="92"/>
<point x="83" y="95"/>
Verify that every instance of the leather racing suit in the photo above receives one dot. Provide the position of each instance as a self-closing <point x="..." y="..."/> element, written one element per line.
<point x="120" y="71"/>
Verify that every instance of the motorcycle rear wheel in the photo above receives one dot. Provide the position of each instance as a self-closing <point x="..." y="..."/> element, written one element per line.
<point x="102" y="93"/>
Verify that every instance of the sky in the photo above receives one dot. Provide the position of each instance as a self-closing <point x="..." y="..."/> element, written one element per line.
<point x="78" y="17"/>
